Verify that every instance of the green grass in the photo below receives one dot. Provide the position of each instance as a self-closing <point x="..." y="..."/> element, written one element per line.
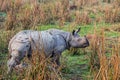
<point x="78" y="66"/>
<point x="85" y="29"/>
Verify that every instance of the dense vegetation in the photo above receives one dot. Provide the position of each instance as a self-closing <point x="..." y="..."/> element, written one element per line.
<point x="99" y="21"/>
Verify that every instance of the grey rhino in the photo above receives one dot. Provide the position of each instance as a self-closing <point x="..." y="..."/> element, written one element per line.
<point x="53" y="41"/>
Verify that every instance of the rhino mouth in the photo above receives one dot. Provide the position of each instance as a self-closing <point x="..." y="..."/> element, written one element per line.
<point x="86" y="44"/>
<point x="82" y="46"/>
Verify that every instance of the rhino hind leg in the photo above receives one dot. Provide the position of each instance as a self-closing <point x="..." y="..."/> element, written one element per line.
<point x="15" y="60"/>
<point x="12" y="62"/>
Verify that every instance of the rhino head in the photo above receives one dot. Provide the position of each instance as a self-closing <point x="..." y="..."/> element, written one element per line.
<point x="78" y="42"/>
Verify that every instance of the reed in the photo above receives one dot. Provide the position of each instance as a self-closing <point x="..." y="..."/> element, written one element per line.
<point x="102" y="66"/>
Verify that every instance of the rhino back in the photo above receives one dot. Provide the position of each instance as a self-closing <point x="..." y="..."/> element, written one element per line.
<point x="41" y="40"/>
<point x="44" y="40"/>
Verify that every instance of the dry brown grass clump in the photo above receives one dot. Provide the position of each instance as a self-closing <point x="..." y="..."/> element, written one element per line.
<point x="105" y="66"/>
<point x="19" y="15"/>
<point x="27" y="15"/>
<point x="37" y="68"/>
<point x="82" y="18"/>
<point x="5" y="37"/>
<point x="112" y="15"/>
<point x="42" y="68"/>
<point x="116" y="3"/>
<point x="82" y="4"/>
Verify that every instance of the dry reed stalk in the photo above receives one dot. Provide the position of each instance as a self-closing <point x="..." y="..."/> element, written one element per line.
<point x="42" y="68"/>
<point x="109" y="67"/>
<point x="82" y="18"/>
<point x="115" y="62"/>
<point x="112" y="15"/>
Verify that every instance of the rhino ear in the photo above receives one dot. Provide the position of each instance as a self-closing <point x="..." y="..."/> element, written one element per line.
<point x="73" y="32"/>
<point x="78" y="30"/>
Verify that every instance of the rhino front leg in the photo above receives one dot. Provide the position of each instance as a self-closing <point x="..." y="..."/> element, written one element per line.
<point x="56" y="58"/>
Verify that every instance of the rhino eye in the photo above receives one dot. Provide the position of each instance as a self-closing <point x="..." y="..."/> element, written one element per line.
<point x="79" y="40"/>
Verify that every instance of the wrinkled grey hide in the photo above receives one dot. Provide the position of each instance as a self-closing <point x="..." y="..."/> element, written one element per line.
<point x="53" y="41"/>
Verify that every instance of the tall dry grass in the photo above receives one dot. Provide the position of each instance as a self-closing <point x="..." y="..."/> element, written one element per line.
<point x="82" y="18"/>
<point x="82" y="3"/>
<point x="112" y="15"/>
<point x="29" y="14"/>
<point x="104" y="60"/>
<point x="19" y="15"/>
<point x="42" y="68"/>
<point x="37" y="68"/>
<point x="26" y="15"/>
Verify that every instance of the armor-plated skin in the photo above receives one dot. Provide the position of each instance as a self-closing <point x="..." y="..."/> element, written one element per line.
<point x="53" y="42"/>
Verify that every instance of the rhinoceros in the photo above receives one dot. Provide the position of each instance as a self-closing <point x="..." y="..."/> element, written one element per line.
<point x="52" y="41"/>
